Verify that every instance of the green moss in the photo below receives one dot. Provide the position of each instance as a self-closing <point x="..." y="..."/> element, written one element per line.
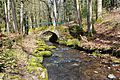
<point x="52" y="47"/>
<point x="96" y="54"/>
<point x="33" y="64"/>
<point x="34" y="60"/>
<point x="52" y="28"/>
<point x="99" y="20"/>
<point x="46" y="53"/>
<point x="31" y="68"/>
<point x="35" y="68"/>
<point x="42" y="46"/>
<point x="69" y="42"/>
<point x="39" y="59"/>
<point x="40" y="43"/>
<point x="62" y="41"/>
<point x="43" y="53"/>
<point x="72" y="42"/>
<point x="62" y="29"/>
<point x="69" y="37"/>
<point x="46" y="47"/>
<point x="42" y="28"/>
<point x="38" y="49"/>
<point x="38" y="29"/>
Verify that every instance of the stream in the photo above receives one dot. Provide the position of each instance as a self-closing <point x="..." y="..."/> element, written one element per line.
<point x="70" y="64"/>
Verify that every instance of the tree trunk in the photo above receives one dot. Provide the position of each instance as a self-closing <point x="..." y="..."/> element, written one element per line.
<point x="79" y="13"/>
<point x="6" y="16"/>
<point x="49" y="16"/>
<point x="89" y="16"/>
<point x="26" y="24"/>
<point x="55" y="13"/>
<point x="99" y="9"/>
<point x="35" y="15"/>
<point x="21" y="16"/>
<point x="14" y="17"/>
<point x="39" y="14"/>
<point x="32" y="20"/>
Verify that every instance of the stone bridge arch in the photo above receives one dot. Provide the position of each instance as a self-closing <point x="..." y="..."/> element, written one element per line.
<point x="54" y="35"/>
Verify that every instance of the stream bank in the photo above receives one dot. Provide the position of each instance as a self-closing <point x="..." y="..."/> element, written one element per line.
<point x="70" y="64"/>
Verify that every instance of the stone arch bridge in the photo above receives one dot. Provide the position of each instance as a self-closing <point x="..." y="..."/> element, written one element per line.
<point x="50" y="35"/>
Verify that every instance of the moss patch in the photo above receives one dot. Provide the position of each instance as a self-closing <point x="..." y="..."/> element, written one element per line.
<point x="35" y="62"/>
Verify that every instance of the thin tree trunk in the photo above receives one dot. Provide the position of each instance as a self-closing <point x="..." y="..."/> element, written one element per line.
<point x="79" y="13"/>
<point x="26" y="24"/>
<point x="39" y="19"/>
<point x="55" y="13"/>
<point x="21" y="16"/>
<point x="6" y="16"/>
<point x="14" y="17"/>
<point x="35" y="16"/>
<point x="49" y="15"/>
<point x="89" y="16"/>
<point x="8" y="13"/>
<point x="99" y="9"/>
<point x="32" y="20"/>
<point x="64" y="9"/>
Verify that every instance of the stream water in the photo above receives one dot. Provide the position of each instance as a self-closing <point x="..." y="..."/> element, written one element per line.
<point x="68" y="64"/>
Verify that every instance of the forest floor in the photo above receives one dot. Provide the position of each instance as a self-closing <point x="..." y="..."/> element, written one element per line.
<point x="107" y="34"/>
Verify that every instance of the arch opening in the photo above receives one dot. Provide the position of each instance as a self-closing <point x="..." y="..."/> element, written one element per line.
<point x="52" y="37"/>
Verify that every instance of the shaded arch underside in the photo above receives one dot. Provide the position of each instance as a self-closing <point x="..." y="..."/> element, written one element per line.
<point x="53" y="38"/>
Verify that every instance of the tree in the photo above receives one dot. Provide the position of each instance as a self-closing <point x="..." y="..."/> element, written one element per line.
<point x="89" y="16"/>
<point x="54" y="13"/>
<point x="6" y="17"/>
<point x="14" y="17"/>
<point x="79" y="13"/>
<point x="99" y="9"/>
<point x="2" y="17"/>
<point x="21" y="15"/>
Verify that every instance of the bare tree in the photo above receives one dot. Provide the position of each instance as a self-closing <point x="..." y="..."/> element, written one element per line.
<point x="55" y="13"/>
<point x="14" y="16"/>
<point x="21" y="15"/>
<point x="99" y="9"/>
<point x="79" y="13"/>
<point x="89" y="16"/>
<point x="6" y="16"/>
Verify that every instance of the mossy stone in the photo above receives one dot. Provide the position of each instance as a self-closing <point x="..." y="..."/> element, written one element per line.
<point x="52" y="47"/>
<point x="44" y="53"/>
<point x="72" y="42"/>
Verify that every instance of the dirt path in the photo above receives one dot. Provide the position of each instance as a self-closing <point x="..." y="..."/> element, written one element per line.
<point x="29" y="43"/>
